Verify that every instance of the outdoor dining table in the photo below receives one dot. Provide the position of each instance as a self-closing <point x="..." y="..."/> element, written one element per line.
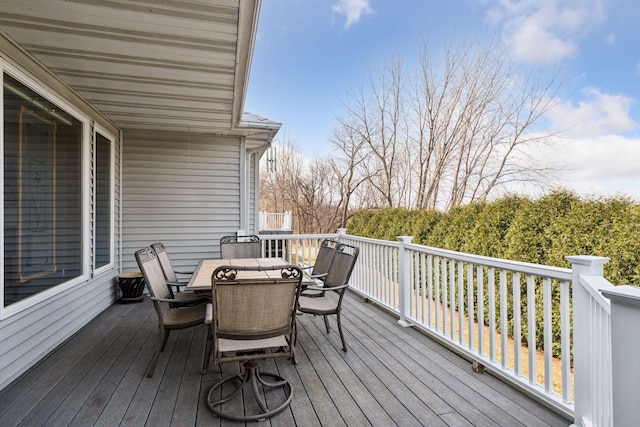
<point x="201" y="279"/>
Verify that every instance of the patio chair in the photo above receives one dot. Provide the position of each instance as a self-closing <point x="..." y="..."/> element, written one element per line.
<point x="179" y="315"/>
<point x="320" y="268"/>
<point x="251" y="319"/>
<point x="335" y="285"/>
<point x="170" y="275"/>
<point x="240" y="247"/>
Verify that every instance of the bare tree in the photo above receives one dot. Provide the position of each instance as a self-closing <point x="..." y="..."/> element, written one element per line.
<point x="473" y="119"/>
<point x="348" y="171"/>
<point x="452" y="134"/>
<point x="376" y="117"/>
<point x="305" y="187"/>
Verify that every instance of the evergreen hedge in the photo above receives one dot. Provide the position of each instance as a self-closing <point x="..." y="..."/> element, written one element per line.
<point x="541" y="231"/>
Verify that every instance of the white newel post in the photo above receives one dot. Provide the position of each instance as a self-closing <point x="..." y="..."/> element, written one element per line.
<point x="404" y="277"/>
<point x="582" y="362"/>
<point x="625" y="351"/>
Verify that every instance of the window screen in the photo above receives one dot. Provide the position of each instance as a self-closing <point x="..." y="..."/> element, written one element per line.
<point x="42" y="193"/>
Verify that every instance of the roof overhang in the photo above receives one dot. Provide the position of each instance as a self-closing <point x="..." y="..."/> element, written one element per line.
<point x="178" y="66"/>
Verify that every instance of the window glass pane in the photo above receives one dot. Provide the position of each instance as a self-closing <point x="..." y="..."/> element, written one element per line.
<point x="103" y="201"/>
<point x="42" y="193"/>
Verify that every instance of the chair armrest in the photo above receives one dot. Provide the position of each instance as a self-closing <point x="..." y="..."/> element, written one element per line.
<point x="187" y="273"/>
<point x="325" y="289"/>
<point x="177" y="285"/>
<point x="318" y="276"/>
<point x="185" y="302"/>
<point x="169" y="300"/>
<point x="208" y="317"/>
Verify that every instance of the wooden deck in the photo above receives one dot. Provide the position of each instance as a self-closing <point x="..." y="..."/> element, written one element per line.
<point x="390" y="376"/>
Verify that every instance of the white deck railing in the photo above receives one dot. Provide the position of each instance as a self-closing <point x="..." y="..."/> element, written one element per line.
<point x="275" y="221"/>
<point x="592" y="346"/>
<point x="478" y="306"/>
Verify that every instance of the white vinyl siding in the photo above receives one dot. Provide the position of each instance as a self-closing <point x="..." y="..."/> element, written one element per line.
<point x="181" y="190"/>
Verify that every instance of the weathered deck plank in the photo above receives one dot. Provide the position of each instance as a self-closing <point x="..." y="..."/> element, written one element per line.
<point x="390" y="376"/>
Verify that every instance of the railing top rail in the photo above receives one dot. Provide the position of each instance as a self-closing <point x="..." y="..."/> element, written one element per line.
<point x="593" y="285"/>
<point x="298" y="236"/>
<point x="370" y="240"/>
<point x="559" y="273"/>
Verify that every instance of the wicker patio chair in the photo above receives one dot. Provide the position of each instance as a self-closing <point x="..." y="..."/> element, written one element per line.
<point x="252" y="319"/>
<point x="335" y="285"/>
<point x="179" y="315"/>
<point x="240" y="247"/>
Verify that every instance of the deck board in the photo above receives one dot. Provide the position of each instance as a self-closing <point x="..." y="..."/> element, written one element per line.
<point x="390" y="376"/>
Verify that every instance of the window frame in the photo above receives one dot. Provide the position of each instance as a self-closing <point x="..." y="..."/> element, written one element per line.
<point x="97" y="129"/>
<point x="43" y="90"/>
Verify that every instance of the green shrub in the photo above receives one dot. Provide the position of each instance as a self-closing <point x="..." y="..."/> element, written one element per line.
<point x="542" y="231"/>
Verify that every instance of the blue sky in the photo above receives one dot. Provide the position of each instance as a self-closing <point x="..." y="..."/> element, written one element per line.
<point x="308" y="54"/>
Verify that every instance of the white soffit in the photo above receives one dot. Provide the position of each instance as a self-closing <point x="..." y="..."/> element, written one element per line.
<point x="159" y="65"/>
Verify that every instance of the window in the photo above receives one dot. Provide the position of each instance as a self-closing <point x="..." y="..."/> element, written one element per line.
<point x="103" y="201"/>
<point x="42" y="193"/>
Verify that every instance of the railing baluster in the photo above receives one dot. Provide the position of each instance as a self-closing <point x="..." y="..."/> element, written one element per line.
<point x="460" y="302"/>
<point x="531" y="325"/>
<point x="452" y="299"/>
<point x="492" y="315"/>
<point x="423" y="287"/>
<point x="430" y="289"/>
<point x="517" y="310"/>
<point x="470" y="306"/>
<point x="445" y="297"/>
<point x="436" y="283"/>
<point x="504" y="332"/>
<point x="480" y="275"/>
<point x="565" y="341"/>
<point x="548" y="352"/>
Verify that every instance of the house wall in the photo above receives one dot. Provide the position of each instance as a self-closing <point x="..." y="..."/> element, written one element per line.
<point x="181" y="190"/>
<point x="39" y="325"/>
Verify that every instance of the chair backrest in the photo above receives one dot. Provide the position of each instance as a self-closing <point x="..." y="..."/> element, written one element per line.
<point x="344" y="260"/>
<point x="165" y="262"/>
<point x="255" y="308"/>
<point x="152" y="273"/>
<point x="324" y="257"/>
<point x="240" y="247"/>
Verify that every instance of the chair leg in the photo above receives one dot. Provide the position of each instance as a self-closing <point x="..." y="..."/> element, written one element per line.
<point x="293" y="344"/>
<point x="208" y="349"/>
<point x="156" y="354"/>
<point x="326" y="322"/>
<point x="344" y="345"/>
<point x="166" y="338"/>
<point x="259" y="383"/>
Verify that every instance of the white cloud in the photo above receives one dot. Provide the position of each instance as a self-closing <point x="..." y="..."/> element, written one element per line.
<point x="352" y="10"/>
<point x="599" y="114"/>
<point x="605" y="166"/>
<point x="545" y="31"/>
